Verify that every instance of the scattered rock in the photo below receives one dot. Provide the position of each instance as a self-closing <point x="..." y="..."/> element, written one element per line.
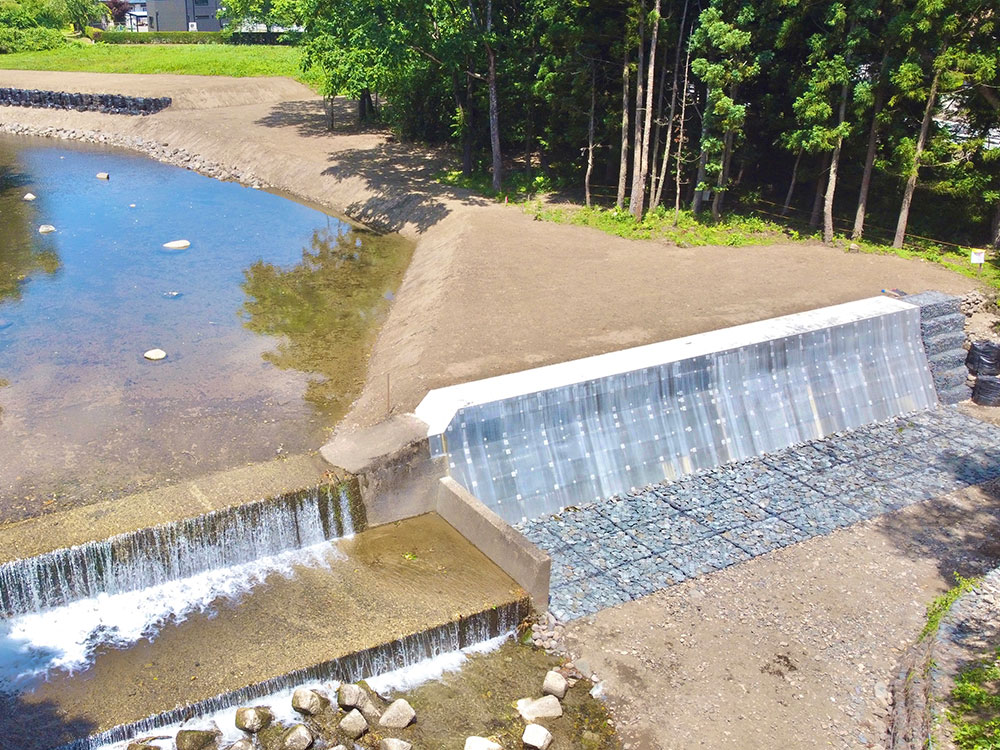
<point x="400" y="714"/>
<point x="354" y="724"/>
<point x="536" y="736"/>
<point x="481" y="743"/>
<point x="155" y="355"/>
<point x="297" y="738"/>
<point x="29" y="196"/>
<point x="354" y="696"/>
<point x="198" y="739"/>
<point x="854" y="248"/>
<point x="394" y="744"/>
<point x="254" y="718"/>
<point x="177" y="245"/>
<point x="243" y="744"/>
<point x="171" y="295"/>
<point x="308" y="702"/>
<point x="46" y="229"/>
<point x="555" y="684"/>
<point x="547" y="707"/>
<point x="142" y="745"/>
<point x="103" y="176"/>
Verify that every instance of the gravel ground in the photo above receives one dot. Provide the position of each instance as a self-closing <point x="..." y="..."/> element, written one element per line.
<point x="627" y="547"/>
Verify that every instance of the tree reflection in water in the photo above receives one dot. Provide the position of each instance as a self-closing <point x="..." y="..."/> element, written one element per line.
<point x="327" y="309"/>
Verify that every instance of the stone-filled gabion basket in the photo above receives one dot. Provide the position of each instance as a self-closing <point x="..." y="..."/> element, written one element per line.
<point x="114" y="104"/>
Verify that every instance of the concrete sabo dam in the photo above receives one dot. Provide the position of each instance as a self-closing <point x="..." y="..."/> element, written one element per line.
<point x="657" y="434"/>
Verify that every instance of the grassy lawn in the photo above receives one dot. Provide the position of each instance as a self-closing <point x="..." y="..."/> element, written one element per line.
<point x="190" y="59"/>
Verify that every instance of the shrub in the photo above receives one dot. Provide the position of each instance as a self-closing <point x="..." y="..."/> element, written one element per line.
<point x="158" y="37"/>
<point x="29" y="40"/>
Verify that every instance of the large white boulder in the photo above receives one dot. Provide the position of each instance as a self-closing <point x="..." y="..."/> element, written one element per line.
<point x="536" y="736"/>
<point x="398" y="715"/>
<point x="481" y="743"/>
<point x="555" y="684"/>
<point x="547" y="707"/>
<point x="354" y="724"/>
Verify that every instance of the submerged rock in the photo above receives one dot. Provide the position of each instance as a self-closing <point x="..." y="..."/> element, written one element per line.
<point x="103" y="176"/>
<point x="177" y="245"/>
<point x="354" y="724"/>
<point x="308" y="702"/>
<point x="536" y="736"/>
<point x="555" y="684"/>
<point x="29" y="196"/>
<point x="542" y="708"/>
<point x="253" y="718"/>
<point x="46" y="229"/>
<point x="394" y="744"/>
<point x="398" y="715"/>
<point x="297" y="738"/>
<point x="481" y="743"/>
<point x="198" y="739"/>
<point x="155" y="355"/>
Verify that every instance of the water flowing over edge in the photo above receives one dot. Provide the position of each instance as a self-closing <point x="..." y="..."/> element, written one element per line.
<point x="181" y="549"/>
<point x="410" y="650"/>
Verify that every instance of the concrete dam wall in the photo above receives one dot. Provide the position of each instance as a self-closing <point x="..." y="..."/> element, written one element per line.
<point x="536" y="441"/>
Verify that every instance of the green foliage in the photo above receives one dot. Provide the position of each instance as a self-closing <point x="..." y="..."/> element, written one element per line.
<point x="974" y="706"/>
<point x="187" y="59"/>
<point x="157" y="37"/>
<point x="941" y="605"/>
<point x="516" y="185"/>
<point x="14" y="40"/>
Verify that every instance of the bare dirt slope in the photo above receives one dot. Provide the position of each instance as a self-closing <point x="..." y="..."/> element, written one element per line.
<point x="790" y="650"/>
<point x="490" y="290"/>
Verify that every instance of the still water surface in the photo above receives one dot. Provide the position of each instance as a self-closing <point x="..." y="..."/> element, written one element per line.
<point x="266" y="320"/>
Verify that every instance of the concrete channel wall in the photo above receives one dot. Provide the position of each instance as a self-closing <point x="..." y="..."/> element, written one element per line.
<point x="536" y="441"/>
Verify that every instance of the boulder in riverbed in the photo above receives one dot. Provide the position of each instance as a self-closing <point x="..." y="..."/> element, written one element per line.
<point x="536" y="736"/>
<point x="354" y="724"/>
<point x="547" y="707"/>
<point x="555" y="684"/>
<point x="243" y="744"/>
<point x="198" y="739"/>
<point x="308" y="702"/>
<point x="394" y="744"/>
<point x="481" y="743"/>
<point x="298" y="737"/>
<point x="253" y="718"/>
<point x="398" y="715"/>
<point x="46" y="229"/>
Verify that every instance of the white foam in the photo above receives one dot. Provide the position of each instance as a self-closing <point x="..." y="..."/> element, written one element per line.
<point x="66" y="637"/>
<point x="280" y="702"/>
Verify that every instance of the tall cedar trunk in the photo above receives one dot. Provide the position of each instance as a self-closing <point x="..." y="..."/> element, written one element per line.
<point x="590" y="134"/>
<point x="640" y="97"/>
<point x="658" y="194"/>
<point x="817" y="209"/>
<point x="866" y="176"/>
<point x="791" y="184"/>
<point x="638" y="203"/>
<point x="657" y="131"/>
<point x="680" y="139"/>
<point x="529" y="138"/>
<point x="623" y="166"/>
<point x="468" y="146"/>
<point x="996" y="227"/>
<point x="696" y="199"/>
<point x="831" y="184"/>
<point x="911" y="181"/>
<point x="720" y="186"/>
<point x="494" y="119"/>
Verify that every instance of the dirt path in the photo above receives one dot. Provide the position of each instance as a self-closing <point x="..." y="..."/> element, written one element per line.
<point x="490" y="290"/>
<point x="789" y="650"/>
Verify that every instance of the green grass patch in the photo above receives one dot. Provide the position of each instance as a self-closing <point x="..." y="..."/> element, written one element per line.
<point x="941" y="605"/>
<point x="186" y="59"/>
<point x="517" y="186"/>
<point x="974" y="706"/>
<point x="733" y="230"/>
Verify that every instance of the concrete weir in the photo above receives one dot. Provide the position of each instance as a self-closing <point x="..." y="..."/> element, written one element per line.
<point x="533" y="442"/>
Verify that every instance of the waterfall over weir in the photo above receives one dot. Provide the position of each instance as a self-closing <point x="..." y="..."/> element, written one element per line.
<point x="153" y="556"/>
<point x="535" y="441"/>
<point x="360" y="665"/>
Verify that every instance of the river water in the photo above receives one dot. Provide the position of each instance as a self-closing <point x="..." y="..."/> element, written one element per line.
<point x="266" y="320"/>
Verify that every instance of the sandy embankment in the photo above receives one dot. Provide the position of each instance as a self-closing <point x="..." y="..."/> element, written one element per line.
<point x="490" y="290"/>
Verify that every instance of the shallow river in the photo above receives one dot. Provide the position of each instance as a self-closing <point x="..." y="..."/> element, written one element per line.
<point x="266" y="320"/>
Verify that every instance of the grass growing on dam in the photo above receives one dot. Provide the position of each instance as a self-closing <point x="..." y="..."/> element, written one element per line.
<point x="238" y="61"/>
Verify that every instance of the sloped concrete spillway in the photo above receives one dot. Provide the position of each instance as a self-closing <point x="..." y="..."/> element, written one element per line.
<point x="536" y="441"/>
<point x="103" y="642"/>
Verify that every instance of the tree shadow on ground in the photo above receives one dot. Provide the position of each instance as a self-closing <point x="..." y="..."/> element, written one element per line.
<point x="401" y="179"/>
<point x="960" y="531"/>
<point x="27" y="725"/>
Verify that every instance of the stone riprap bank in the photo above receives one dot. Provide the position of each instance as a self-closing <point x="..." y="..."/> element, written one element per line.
<point x="533" y="442"/>
<point x="634" y="544"/>
<point x="112" y="104"/>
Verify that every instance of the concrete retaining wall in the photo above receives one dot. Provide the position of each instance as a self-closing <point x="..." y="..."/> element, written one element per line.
<point x="114" y="104"/>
